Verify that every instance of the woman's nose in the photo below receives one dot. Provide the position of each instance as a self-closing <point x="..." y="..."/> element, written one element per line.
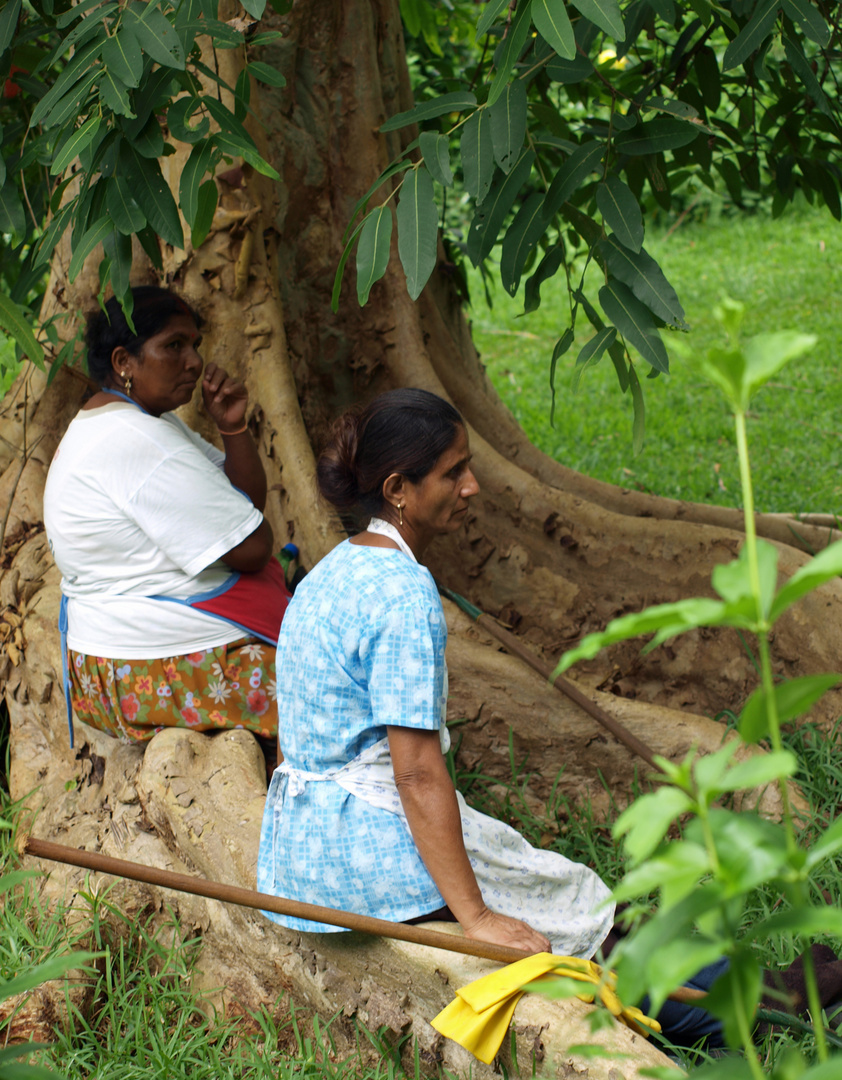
<point x="470" y="487"/>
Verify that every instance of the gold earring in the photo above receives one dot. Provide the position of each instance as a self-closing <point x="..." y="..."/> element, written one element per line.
<point x="127" y="382"/>
<point x="400" y="513"/>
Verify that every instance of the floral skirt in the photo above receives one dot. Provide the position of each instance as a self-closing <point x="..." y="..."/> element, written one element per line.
<point x="231" y="686"/>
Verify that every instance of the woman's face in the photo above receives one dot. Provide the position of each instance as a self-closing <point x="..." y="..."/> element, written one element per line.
<point x="438" y="503"/>
<point x="165" y="373"/>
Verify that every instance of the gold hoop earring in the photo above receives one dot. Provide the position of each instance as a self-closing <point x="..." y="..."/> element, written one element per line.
<point x="127" y="382"/>
<point x="400" y="513"/>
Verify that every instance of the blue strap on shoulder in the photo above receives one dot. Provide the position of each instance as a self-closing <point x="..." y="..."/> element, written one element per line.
<point x="65" y="666"/>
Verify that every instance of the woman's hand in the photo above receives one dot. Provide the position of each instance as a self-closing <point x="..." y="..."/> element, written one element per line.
<point x="225" y="398"/>
<point x="503" y="930"/>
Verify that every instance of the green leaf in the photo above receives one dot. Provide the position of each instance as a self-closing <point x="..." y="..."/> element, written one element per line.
<point x="805" y="14"/>
<point x="547" y="269"/>
<point x="362" y="203"/>
<point x="793" y="698"/>
<point x="621" y="212"/>
<point x="12" y="217"/>
<point x="605" y="14"/>
<point x="435" y="149"/>
<point x="156" y="34"/>
<point x="70" y="106"/>
<point x="639" y="424"/>
<point x="645" y="279"/>
<point x="54" y="968"/>
<point x="802" y="920"/>
<point x="672" y="106"/>
<point x="591" y="353"/>
<point x="508" y="51"/>
<point x="15" y="321"/>
<point x="72" y="145"/>
<point x="206" y="204"/>
<point x="235" y="146"/>
<point x="477" y="154"/>
<point x="520" y="240"/>
<point x="340" y="270"/>
<point x="492" y="10"/>
<point x="125" y="213"/>
<point x="75" y="12"/>
<point x="825" y="566"/>
<point x="743" y="983"/>
<point x="114" y="95"/>
<point x="656" y="136"/>
<point x="178" y="120"/>
<point x="417" y="230"/>
<point x="428" y="110"/>
<point x="800" y="65"/>
<point x="635" y="322"/>
<point x="827" y="844"/>
<point x="753" y="34"/>
<point x="508" y="125"/>
<point x="118" y="248"/>
<point x="121" y="55"/>
<point x="373" y="250"/>
<point x="192" y="176"/>
<point x="674" y="873"/>
<point x="153" y="196"/>
<point x="645" y="822"/>
<point x="488" y="219"/>
<point x="255" y="8"/>
<point x="81" y="250"/>
<point x="9" y="16"/>
<point x="76" y="69"/>
<point x="570" y="71"/>
<point x="151" y="245"/>
<point x="571" y="175"/>
<point x="265" y="73"/>
<point x="553" y="24"/>
<point x="759" y="771"/>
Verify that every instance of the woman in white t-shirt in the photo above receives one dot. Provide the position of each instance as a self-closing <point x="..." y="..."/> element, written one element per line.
<point x="171" y="598"/>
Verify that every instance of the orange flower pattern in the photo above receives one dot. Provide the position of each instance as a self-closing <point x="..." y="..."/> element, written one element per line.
<point x="228" y="687"/>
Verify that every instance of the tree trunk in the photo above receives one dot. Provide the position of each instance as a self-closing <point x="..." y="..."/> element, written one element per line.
<point x="552" y="553"/>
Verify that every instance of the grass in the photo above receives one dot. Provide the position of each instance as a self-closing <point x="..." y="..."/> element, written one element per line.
<point x="789" y="275"/>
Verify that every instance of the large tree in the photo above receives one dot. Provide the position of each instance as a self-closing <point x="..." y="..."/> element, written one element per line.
<point x="266" y="178"/>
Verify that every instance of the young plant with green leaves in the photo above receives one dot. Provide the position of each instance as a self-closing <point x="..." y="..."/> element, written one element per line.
<point x="704" y="878"/>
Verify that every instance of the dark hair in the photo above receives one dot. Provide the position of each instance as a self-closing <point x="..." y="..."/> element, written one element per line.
<point x="107" y="330"/>
<point x="401" y="431"/>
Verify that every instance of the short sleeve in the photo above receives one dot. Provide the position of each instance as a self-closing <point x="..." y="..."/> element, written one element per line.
<point x="211" y="452"/>
<point x="191" y="511"/>
<point x="404" y="659"/>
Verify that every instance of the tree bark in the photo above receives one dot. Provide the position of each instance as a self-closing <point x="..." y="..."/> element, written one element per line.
<point x="554" y="554"/>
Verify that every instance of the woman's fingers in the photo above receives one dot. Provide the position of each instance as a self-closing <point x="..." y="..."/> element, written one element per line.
<point x="225" y="397"/>
<point x="503" y="930"/>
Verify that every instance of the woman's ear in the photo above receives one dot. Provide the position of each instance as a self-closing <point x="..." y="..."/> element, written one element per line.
<point x="120" y="357"/>
<point x="394" y="489"/>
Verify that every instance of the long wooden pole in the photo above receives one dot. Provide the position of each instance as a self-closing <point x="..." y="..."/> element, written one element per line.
<point x="233" y="894"/>
<point x="564" y="686"/>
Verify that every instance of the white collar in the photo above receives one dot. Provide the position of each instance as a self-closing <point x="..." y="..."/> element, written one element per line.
<point x="385" y="528"/>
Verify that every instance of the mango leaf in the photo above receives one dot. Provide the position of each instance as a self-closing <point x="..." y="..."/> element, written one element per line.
<point x="521" y="237"/>
<point x="546" y="269"/>
<point x="645" y="279"/>
<point x="570" y="71"/>
<point x="265" y="73"/>
<point x="646" y="821"/>
<point x="477" y="154"/>
<point x="362" y="203"/>
<point x="428" y="110"/>
<point x="672" y="106"/>
<point x="639" y="423"/>
<point x="69" y="148"/>
<point x="373" y="250"/>
<point x="206" y="204"/>
<point x="492" y="10"/>
<point x="826" y="845"/>
<point x="635" y="323"/>
<point x="16" y="320"/>
<point x="156" y="35"/>
<point x="656" y="136"/>
<point x="591" y="353"/>
<point x="115" y="97"/>
<point x="435" y="149"/>
<point x="77" y="69"/>
<point x="753" y="34"/>
<point x="233" y="145"/>
<point x="192" y="177"/>
<point x="340" y="270"/>
<point x="508" y="125"/>
<point x="75" y="12"/>
<point x="605" y="14"/>
<point x="118" y="248"/>
<point x="71" y="105"/>
<point x="417" y="230"/>
<point x="12" y="218"/>
<point x="178" y="120"/>
<point x="553" y="24"/>
<point x="800" y="65"/>
<point x="806" y="15"/>
<point x="621" y="212"/>
<point x="571" y="175"/>
<point x="153" y="196"/>
<point x="123" y="210"/>
<point x="121" y="55"/>
<point x="823" y="567"/>
<point x="508" y="51"/>
<point x="255" y="8"/>
<point x="793" y="698"/>
<point x="489" y="218"/>
<point x="8" y="23"/>
<point x="81" y="250"/>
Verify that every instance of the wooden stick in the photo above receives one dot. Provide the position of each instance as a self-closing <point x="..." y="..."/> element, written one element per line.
<point x="232" y="894"/>
<point x="514" y="646"/>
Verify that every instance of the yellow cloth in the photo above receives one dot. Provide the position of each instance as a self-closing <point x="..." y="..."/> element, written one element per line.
<point x="479" y="1016"/>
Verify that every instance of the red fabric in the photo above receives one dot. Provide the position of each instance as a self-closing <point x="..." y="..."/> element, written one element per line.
<point x="256" y="602"/>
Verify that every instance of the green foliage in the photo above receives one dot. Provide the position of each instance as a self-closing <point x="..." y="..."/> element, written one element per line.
<point x="610" y="113"/>
<point x="704" y="880"/>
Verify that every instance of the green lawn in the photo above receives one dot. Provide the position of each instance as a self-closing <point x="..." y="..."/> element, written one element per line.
<point x="789" y="275"/>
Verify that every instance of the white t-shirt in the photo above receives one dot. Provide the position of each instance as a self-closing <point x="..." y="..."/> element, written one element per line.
<point x="138" y="506"/>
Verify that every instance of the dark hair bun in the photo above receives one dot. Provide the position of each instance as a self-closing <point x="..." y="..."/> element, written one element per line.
<point x="336" y="470"/>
